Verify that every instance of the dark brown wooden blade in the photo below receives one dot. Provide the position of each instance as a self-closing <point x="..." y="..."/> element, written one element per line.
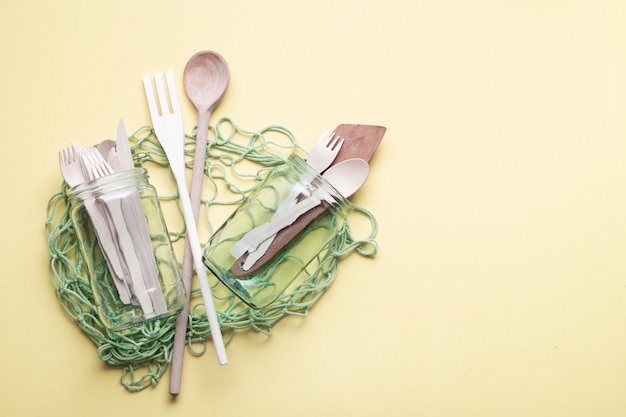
<point x="361" y="141"/>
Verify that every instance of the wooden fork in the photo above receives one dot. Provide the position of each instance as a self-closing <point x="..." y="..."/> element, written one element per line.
<point x="73" y="173"/>
<point x="324" y="151"/>
<point x="167" y="121"/>
<point x="97" y="167"/>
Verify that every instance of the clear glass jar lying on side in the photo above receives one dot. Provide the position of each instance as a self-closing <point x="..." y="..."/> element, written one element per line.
<point x="260" y="281"/>
<point x="124" y="241"/>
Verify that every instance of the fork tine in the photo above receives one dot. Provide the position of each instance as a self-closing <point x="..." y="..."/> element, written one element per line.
<point x="70" y="155"/>
<point x="86" y="166"/>
<point x="324" y="137"/>
<point x="93" y="163"/>
<point x="99" y="162"/>
<point x="93" y="169"/>
<point x="161" y="93"/>
<point x="152" y="105"/>
<point x="171" y="86"/>
<point x="106" y="167"/>
<point x="66" y="156"/>
<point x="336" y="143"/>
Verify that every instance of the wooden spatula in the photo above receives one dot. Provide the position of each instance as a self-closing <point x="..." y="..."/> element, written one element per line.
<point x="361" y="141"/>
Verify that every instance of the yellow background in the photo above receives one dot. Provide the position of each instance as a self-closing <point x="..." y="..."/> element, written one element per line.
<point x="500" y="285"/>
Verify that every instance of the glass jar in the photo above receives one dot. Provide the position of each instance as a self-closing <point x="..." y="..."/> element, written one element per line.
<point x="126" y="247"/>
<point x="292" y="249"/>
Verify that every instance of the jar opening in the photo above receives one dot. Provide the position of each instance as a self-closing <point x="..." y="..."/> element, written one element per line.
<point x="109" y="183"/>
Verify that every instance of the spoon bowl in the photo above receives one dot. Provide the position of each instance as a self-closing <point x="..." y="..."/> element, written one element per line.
<point x="206" y="78"/>
<point x="347" y="176"/>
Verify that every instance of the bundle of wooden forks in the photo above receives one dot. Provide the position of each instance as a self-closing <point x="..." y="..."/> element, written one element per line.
<point x="118" y="221"/>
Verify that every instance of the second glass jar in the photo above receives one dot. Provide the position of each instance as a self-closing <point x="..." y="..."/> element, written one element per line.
<point x="293" y="248"/>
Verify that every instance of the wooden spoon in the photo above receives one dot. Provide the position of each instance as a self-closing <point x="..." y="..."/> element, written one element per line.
<point x="206" y="79"/>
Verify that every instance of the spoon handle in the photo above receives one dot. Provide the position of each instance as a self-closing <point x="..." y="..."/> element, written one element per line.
<point x="197" y="177"/>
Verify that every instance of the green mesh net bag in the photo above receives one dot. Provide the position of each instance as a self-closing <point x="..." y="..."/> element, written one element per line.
<point x="237" y="160"/>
